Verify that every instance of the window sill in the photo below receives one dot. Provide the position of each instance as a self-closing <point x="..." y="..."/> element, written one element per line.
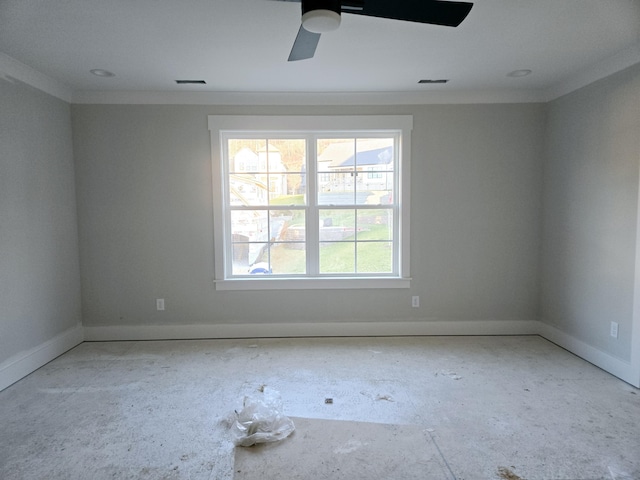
<point x="312" y="283"/>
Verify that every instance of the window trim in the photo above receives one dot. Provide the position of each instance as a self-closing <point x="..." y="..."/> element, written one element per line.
<point x="264" y="124"/>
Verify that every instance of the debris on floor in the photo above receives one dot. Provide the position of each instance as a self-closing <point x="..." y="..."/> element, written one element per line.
<point x="378" y="396"/>
<point x="617" y="474"/>
<point x="506" y="474"/>
<point x="328" y="401"/>
<point x="388" y="398"/>
<point x="261" y="419"/>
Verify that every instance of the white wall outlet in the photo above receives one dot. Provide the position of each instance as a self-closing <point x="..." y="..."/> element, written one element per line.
<point x="415" y="301"/>
<point x="160" y="303"/>
<point x="614" y="329"/>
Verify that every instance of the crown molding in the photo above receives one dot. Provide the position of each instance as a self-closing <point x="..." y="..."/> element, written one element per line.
<point x="14" y="71"/>
<point x="307" y="98"/>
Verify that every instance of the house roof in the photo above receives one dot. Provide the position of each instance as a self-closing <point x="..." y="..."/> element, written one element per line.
<point x="365" y="151"/>
<point x="378" y="156"/>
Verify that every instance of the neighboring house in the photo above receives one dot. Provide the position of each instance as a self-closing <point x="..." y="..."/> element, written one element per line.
<point x="370" y="157"/>
<point x="257" y="176"/>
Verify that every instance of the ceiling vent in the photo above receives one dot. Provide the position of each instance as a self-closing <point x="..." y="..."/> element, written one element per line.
<point x="433" y="81"/>
<point x="191" y="82"/>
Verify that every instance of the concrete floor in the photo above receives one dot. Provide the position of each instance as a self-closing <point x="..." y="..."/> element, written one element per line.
<point x="494" y="407"/>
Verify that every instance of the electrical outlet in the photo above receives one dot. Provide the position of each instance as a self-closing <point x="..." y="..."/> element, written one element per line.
<point x="160" y="303"/>
<point x="614" y="329"/>
<point x="415" y="301"/>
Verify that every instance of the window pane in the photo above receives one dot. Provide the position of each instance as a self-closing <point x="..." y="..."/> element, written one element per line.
<point x="293" y="226"/>
<point x="290" y="153"/>
<point x="337" y="225"/>
<point x="375" y="224"/>
<point x="374" y="188"/>
<point x="337" y="257"/>
<point x="375" y="257"/>
<point x="339" y="190"/>
<point x="333" y="152"/>
<point x="248" y="189"/>
<point x="293" y="190"/>
<point x="248" y="257"/>
<point x="258" y="259"/>
<point x="251" y="226"/>
<point x="373" y="152"/>
<point x="243" y="154"/>
<point x="288" y="258"/>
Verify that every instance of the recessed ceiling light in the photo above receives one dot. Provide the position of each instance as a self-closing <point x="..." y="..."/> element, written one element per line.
<point x="519" y="73"/>
<point x="102" y="73"/>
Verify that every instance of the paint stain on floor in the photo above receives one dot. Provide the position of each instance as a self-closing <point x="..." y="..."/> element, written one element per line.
<point x="507" y="474"/>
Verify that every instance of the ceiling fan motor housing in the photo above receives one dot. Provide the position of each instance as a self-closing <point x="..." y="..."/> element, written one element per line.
<point x="319" y="16"/>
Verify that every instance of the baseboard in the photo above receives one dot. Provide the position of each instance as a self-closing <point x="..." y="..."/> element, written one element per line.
<point x="337" y="329"/>
<point x="619" y="368"/>
<point x="24" y="363"/>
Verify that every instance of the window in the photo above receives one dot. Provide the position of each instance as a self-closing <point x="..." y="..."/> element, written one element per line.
<point x="311" y="201"/>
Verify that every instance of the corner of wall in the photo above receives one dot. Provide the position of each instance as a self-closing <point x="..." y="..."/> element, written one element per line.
<point x="24" y="363"/>
<point x="12" y="70"/>
<point x="615" y="366"/>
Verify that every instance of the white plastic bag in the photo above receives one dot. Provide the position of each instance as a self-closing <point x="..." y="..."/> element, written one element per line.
<point x="261" y="419"/>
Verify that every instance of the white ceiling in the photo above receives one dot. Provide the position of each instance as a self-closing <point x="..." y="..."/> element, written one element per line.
<point x="243" y="45"/>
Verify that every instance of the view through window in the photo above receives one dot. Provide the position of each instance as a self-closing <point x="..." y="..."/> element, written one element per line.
<point x="269" y="203"/>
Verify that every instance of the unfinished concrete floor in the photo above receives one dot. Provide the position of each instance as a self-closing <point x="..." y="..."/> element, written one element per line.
<point x="491" y="407"/>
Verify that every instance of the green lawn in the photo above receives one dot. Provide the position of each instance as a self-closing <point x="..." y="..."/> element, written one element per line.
<point x="335" y="257"/>
<point x="339" y="257"/>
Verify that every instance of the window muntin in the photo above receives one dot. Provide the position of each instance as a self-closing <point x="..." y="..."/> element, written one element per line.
<point x="310" y="204"/>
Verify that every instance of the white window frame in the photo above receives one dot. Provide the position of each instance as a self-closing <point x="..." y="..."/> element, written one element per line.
<point x="324" y="124"/>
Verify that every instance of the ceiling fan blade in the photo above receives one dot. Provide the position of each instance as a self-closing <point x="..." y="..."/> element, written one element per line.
<point x="304" y="46"/>
<point x="436" y="12"/>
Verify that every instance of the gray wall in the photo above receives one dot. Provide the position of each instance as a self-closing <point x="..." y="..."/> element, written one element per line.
<point x="484" y="244"/>
<point x="590" y="211"/>
<point x="145" y="217"/>
<point x="39" y="270"/>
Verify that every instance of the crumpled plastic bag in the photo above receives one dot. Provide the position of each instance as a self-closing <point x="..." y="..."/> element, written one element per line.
<point x="261" y="419"/>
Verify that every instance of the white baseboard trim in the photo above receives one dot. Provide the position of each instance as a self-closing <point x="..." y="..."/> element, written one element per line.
<point x="337" y="329"/>
<point x="24" y="363"/>
<point x="619" y="368"/>
<point x="613" y="365"/>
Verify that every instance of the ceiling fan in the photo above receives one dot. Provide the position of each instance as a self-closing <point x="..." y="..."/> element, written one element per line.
<point x="320" y="16"/>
